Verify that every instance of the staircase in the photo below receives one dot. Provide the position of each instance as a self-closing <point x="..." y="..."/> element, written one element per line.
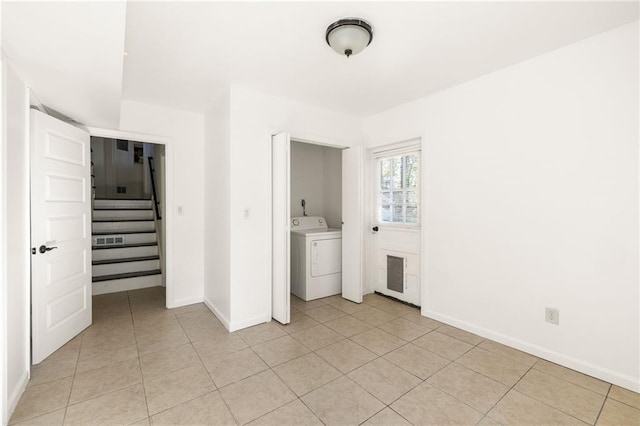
<point x="125" y="253"/>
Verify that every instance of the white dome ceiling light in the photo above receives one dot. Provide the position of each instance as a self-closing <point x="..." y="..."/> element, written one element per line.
<point x="349" y="36"/>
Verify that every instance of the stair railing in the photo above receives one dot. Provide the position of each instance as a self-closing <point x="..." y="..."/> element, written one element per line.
<point x="156" y="202"/>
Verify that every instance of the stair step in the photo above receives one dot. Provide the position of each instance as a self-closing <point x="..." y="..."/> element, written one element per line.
<point x="123" y="226"/>
<point x="123" y="246"/>
<point x="121" y="232"/>
<point x="133" y="237"/>
<point x="117" y="220"/>
<point x="122" y="252"/>
<point x="127" y="204"/>
<point x="124" y="260"/>
<point x="126" y="284"/>
<point x="126" y="275"/>
<point x="121" y="214"/>
<point x="120" y="208"/>
<point x="125" y="267"/>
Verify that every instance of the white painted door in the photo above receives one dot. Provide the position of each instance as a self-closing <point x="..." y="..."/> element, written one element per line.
<point x="396" y="239"/>
<point x="60" y="233"/>
<point x="281" y="253"/>
<point x="352" y="161"/>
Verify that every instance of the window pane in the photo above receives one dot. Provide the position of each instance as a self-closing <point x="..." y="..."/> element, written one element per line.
<point x="385" y="213"/>
<point x="397" y="197"/>
<point x="411" y="197"/>
<point x="397" y="173"/>
<point x="398" y="216"/>
<point x="385" y="197"/>
<point x="412" y="214"/>
<point x="411" y="171"/>
<point x="385" y="174"/>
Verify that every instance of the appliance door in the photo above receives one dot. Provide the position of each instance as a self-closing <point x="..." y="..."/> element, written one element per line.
<point x="325" y="256"/>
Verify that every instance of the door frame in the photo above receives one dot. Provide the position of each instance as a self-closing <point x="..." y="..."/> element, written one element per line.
<point x="302" y="138"/>
<point x="168" y="197"/>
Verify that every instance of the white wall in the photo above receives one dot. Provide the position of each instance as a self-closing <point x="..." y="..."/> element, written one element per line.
<point x="254" y="117"/>
<point x="217" y="195"/>
<point x="15" y="278"/>
<point x="532" y="201"/>
<point x="332" y="166"/>
<point x="186" y="241"/>
<point x="316" y="177"/>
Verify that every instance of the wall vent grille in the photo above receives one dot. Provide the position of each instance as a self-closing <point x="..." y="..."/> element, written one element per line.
<point x="109" y="241"/>
<point x="395" y="273"/>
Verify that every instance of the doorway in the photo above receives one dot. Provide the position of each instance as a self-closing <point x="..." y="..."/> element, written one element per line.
<point x="316" y="222"/>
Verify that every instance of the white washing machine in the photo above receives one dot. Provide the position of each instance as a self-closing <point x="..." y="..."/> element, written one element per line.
<point x="316" y="258"/>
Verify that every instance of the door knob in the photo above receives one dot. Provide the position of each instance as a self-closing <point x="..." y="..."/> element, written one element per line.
<point x="44" y="248"/>
<point x="374" y="229"/>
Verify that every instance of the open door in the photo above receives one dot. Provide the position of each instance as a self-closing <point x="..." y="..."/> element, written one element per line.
<point x="60" y="233"/>
<point x="352" y="162"/>
<point x="281" y="251"/>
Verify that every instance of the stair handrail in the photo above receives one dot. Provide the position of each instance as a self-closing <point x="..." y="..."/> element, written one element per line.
<point x="156" y="203"/>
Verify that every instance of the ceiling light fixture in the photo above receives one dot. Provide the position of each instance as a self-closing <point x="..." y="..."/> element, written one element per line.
<point x="349" y="36"/>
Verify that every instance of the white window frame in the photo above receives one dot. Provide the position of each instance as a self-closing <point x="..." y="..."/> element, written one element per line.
<point x="395" y="151"/>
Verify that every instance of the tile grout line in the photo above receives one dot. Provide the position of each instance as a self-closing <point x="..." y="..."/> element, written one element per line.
<point x="604" y="401"/>
<point x="135" y="337"/>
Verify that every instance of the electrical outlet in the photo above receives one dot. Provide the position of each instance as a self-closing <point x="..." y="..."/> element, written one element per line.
<point x="552" y="315"/>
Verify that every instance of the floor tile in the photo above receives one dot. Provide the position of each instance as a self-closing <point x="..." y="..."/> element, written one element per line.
<point x="518" y="409"/>
<point x="572" y="376"/>
<point x="156" y="341"/>
<point x="189" y="308"/>
<point x="317" y="337"/>
<point x="324" y="313"/>
<point x="303" y="306"/>
<point x="387" y="417"/>
<point x="256" y="396"/>
<point x="109" y="355"/>
<point x="615" y="413"/>
<point x="233" y="367"/>
<point x="299" y="322"/>
<point x="168" y="360"/>
<point x="348" y="326"/>
<point x="306" y="373"/>
<point x="346" y="355"/>
<point x="219" y="345"/>
<point x="53" y="368"/>
<point x="465" y="336"/>
<point x="417" y="318"/>
<point x="516" y="355"/>
<point x="51" y="419"/>
<point x="280" y="350"/>
<point x="143" y="422"/>
<point x="208" y="409"/>
<point x="384" y="380"/>
<point x="500" y="368"/>
<point x="378" y="341"/>
<point x="177" y="387"/>
<point x="342" y="402"/>
<point x="443" y="345"/>
<point x="426" y="405"/>
<point x="374" y="316"/>
<point x="104" y="380"/>
<point x="260" y="333"/>
<point x="417" y="361"/>
<point x="124" y="406"/>
<point x="488" y="421"/>
<point x="42" y="399"/>
<point x="567" y="397"/>
<point x="293" y="414"/>
<point x="626" y="396"/>
<point x="344" y="305"/>
<point x="474" y="389"/>
<point x="404" y="329"/>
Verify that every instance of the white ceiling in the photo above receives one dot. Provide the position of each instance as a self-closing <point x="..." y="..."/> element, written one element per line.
<point x="184" y="54"/>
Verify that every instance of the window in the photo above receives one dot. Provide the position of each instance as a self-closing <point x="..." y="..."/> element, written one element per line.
<point x="398" y="197"/>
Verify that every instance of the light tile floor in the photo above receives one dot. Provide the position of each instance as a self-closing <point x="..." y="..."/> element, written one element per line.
<point x="376" y="363"/>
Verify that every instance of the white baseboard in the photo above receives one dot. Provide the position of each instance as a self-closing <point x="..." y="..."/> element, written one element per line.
<point x="14" y="398"/>
<point x="223" y="319"/>
<point x="125" y="284"/>
<point x="622" y="380"/>
<point x="239" y="325"/>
